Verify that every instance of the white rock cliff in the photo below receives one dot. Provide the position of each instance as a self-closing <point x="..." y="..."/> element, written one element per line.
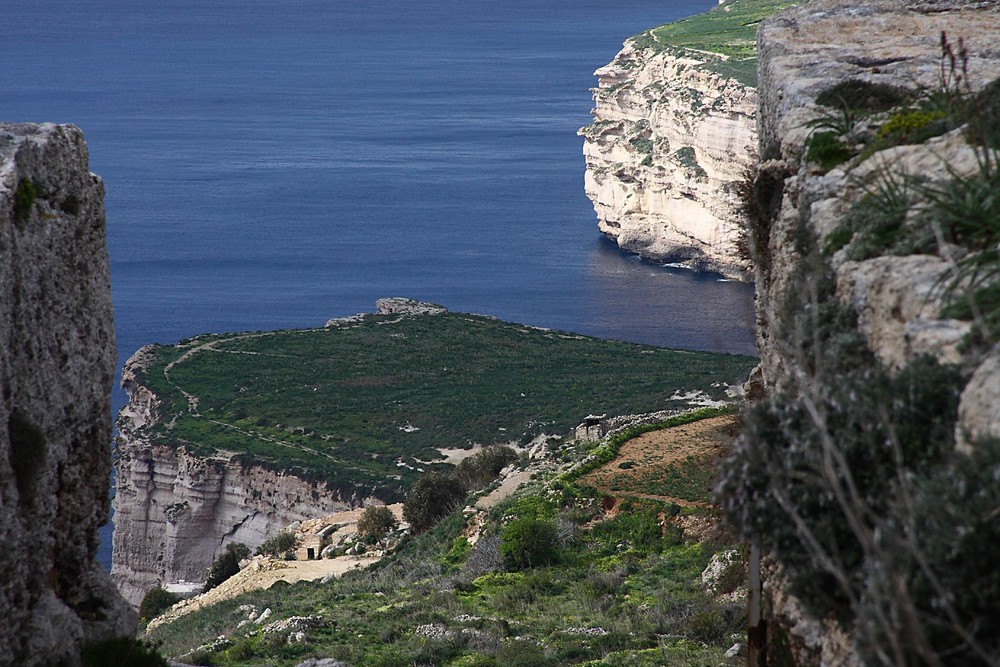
<point x="670" y="139"/>
<point x="175" y="512"/>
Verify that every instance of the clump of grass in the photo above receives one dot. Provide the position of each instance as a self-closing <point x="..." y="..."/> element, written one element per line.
<point x="827" y="150"/>
<point x="878" y="223"/>
<point x="24" y="199"/>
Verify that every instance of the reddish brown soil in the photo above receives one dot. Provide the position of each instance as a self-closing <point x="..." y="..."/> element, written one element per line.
<point x="661" y="449"/>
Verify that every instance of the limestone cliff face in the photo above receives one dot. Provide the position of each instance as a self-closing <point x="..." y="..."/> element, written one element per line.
<point x="897" y="297"/>
<point x="56" y="371"/>
<point x="175" y="512"/>
<point x="669" y="139"/>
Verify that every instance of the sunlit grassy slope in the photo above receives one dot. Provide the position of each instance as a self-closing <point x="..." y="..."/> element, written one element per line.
<point x="729" y="30"/>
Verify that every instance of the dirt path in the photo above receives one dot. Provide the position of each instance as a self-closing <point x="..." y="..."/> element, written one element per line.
<point x="264" y="572"/>
<point x="660" y="450"/>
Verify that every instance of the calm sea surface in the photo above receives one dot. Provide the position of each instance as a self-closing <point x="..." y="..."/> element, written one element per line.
<point x="273" y="164"/>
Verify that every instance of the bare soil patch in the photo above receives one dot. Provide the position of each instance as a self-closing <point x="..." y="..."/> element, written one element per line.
<point x="643" y="464"/>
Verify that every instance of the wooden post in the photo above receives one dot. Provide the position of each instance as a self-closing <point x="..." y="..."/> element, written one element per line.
<point x="757" y="626"/>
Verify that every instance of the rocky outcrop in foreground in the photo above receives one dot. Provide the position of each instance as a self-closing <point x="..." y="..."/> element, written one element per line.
<point x="669" y="140"/>
<point x="57" y="335"/>
<point x="867" y="472"/>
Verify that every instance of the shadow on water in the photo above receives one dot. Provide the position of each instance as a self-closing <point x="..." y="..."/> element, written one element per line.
<point x="675" y="307"/>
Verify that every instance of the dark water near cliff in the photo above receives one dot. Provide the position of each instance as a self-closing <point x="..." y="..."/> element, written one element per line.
<point x="272" y="164"/>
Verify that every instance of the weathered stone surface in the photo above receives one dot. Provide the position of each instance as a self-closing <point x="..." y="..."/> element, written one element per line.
<point x="57" y="331"/>
<point x="668" y="141"/>
<point x="979" y="409"/>
<point x="898" y="299"/>
<point x="897" y="306"/>
<point x="399" y="305"/>
<point x="816" y="642"/>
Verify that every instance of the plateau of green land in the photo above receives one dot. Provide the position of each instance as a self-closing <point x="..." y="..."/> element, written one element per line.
<point x="728" y="31"/>
<point x="368" y="404"/>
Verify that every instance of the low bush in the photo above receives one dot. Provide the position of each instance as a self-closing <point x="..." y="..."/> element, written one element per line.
<point x="827" y="150"/>
<point x="226" y="565"/>
<point x="478" y="470"/>
<point x="155" y="602"/>
<point x="791" y="482"/>
<point x="434" y="496"/>
<point x="279" y="545"/>
<point x="528" y="543"/>
<point x="24" y="199"/>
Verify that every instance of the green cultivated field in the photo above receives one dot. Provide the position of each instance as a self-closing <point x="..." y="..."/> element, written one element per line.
<point x="341" y="404"/>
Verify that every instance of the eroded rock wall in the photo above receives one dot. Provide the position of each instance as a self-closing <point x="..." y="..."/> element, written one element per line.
<point x="670" y="139"/>
<point x="175" y="512"/>
<point x="56" y="371"/>
<point x="896" y="297"/>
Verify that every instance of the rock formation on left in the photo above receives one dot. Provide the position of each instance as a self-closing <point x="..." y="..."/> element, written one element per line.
<point x="56" y="371"/>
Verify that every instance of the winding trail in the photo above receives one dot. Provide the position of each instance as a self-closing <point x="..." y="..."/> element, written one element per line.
<point x="193" y="400"/>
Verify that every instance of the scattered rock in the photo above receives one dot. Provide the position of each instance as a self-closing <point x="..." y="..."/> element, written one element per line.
<point x="402" y="306"/>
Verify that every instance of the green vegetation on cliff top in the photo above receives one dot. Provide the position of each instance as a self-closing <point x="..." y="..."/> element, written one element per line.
<point x="363" y="405"/>
<point x="729" y="31"/>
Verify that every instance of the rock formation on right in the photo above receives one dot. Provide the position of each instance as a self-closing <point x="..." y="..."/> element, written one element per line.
<point x="868" y="471"/>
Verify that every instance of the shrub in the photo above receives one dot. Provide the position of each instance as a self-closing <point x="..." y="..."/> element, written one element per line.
<point x="434" y="496"/>
<point x="528" y="543"/>
<point x="827" y="150"/>
<point x="911" y="126"/>
<point x="377" y="521"/>
<point x="484" y="556"/>
<point x="483" y="467"/>
<point x="458" y="552"/>
<point x="156" y="601"/>
<point x="122" y="652"/>
<point x="793" y="483"/>
<point x="941" y="553"/>
<point x="226" y="565"/>
<point x="24" y="199"/>
<point x="279" y="545"/>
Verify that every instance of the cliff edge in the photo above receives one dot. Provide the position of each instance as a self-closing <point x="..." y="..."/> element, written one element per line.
<point x="867" y="470"/>
<point x="674" y="132"/>
<point x="58" y="335"/>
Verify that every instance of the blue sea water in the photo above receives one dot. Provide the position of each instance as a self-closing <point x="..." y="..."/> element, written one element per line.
<point x="273" y="164"/>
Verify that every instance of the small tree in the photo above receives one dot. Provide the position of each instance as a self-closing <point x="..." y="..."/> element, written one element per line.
<point x="529" y="543"/>
<point x="226" y="565"/>
<point x="377" y="521"/>
<point x="484" y="466"/>
<point x="278" y="546"/>
<point x="155" y="602"/>
<point x="434" y="496"/>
